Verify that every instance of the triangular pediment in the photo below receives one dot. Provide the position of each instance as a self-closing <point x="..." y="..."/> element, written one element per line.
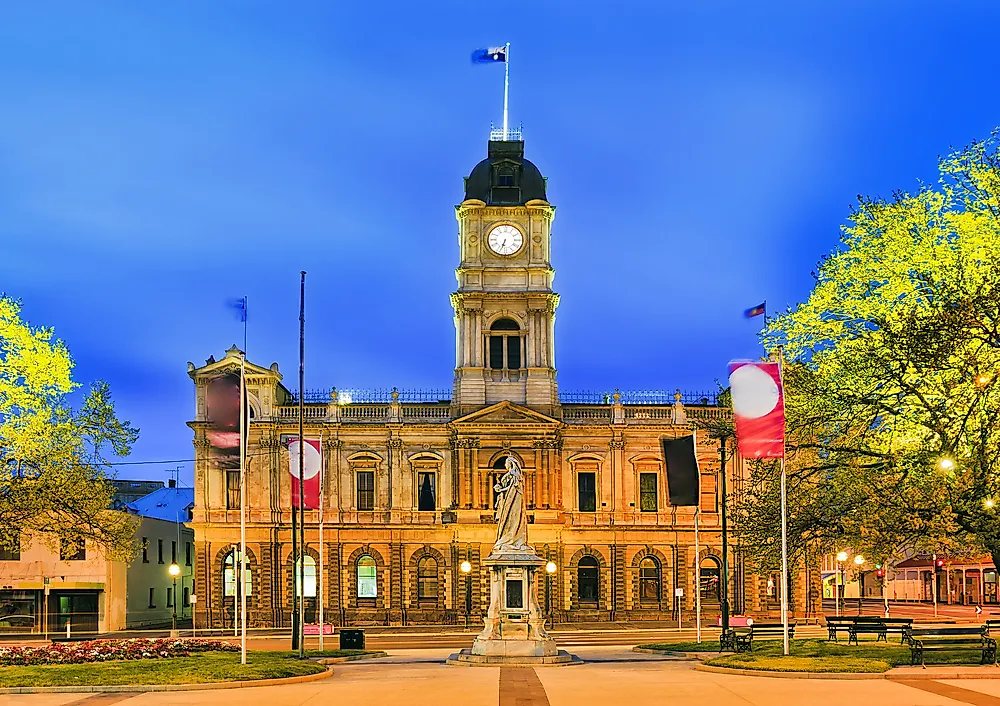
<point x="230" y="363"/>
<point x="506" y="412"/>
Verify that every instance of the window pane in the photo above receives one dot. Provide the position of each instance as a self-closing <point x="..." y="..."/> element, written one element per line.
<point x="588" y="497"/>
<point x="513" y="352"/>
<point x="647" y="492"/>
<point x="425" y="491"/>
<point x="587" y="579"/>
<point x="230" y="569"/>
<point x="310" y="577"/>
<point x="366" y="490"/>
<point x="367" y="584"/>
<point x="496" y="352"/>
<point x="233" y="489"/>
<point x="427" y="585"/>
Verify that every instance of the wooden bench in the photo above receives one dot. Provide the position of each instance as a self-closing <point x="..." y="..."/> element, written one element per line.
<point x="760" y="631"/>
<point x="900" y="625"/>
<point x="990" y="626"/>
<point x="951" y="639"/>
<point x="838" y="622"/>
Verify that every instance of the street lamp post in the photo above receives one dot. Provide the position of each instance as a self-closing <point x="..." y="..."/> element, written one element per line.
<point x="838" y="590"/>
<point x="174" y="570"/>
<point x="467" y="569"/>
<point x="859" y="561"/>
<point x="550" y="568"/>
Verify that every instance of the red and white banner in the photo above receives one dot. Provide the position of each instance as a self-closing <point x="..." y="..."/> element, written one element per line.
<point x="312" y="463"/>
<point x="758" y="409"/>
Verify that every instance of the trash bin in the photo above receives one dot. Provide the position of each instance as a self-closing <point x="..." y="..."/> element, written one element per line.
<point x="352" y="639"/>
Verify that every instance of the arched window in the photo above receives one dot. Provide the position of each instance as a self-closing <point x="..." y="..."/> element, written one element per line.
<point x="367" y="583"/>
<point x="587" y="580"/>
<point x="710" y="583"/>
<point x="230" y="570"/>
<point x="310" y="577"/>
<point x="427" y="579"/>
<point x="505" y="345"/>
<point x="649" y="580"/>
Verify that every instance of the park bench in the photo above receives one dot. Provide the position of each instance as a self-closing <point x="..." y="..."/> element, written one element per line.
<point x="838" y="622"/>
<point x="991" y="626"/>
<point x="866" y="625"/>
<point x="760" y="631"/>
<point x="900" y="625"/>
<point x="951" y="639"/>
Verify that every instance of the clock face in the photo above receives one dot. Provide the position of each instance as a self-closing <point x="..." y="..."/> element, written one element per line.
<point x="505" y="240"/>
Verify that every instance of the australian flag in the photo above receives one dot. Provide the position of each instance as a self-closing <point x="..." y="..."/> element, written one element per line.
<point x="490" y="55"/>
<point x="754" y="311"/>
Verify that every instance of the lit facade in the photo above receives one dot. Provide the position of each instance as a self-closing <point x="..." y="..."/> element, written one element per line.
<point x="408" y="481"/>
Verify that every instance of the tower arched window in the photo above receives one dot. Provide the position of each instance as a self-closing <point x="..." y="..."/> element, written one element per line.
<point x="505" y="345"/>
<point x="649" y="580"/>
<point x="710" y="580"/>
<point x="587" y="580"/>
<point x="367" y="577"/>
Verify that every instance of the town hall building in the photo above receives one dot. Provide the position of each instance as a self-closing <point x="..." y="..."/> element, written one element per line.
<point x="408" y="496"/>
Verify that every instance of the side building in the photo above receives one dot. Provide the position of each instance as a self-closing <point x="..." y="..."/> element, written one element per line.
<point x="50" y="584"/>
<point x="407" y="482"/>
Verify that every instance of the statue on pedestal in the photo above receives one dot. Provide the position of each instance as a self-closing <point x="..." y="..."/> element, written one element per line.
<point x="512" y="522"/>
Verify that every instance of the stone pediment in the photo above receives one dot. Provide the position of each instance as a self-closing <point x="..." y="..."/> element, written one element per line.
<point x="506" y="413"/>
<point x="230" y="364"/>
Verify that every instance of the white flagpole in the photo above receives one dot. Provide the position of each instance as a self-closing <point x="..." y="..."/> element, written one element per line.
<point x="784" y="521"/>
<point x="697" y="575"/>
<point x="243" y="520"/>
<point x="506" y="83"/>
<point x="322" y="576"/>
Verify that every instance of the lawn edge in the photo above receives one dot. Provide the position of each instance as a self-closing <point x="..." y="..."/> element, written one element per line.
<point x="351" y="658"/>
<point x="142" y="688"/>
<point x="795" y="675"/>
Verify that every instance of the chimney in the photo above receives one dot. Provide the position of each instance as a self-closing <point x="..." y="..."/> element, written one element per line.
<point x="171" y="483"/>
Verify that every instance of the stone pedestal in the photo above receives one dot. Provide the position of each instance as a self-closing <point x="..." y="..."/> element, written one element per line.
<point x="515" y="627"/>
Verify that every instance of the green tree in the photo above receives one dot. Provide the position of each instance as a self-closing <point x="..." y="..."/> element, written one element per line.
<point x="52" y="469"/>
<point x="891" y="377"/>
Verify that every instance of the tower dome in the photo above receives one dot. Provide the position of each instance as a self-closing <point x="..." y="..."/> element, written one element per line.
<point x="505" y="177"/>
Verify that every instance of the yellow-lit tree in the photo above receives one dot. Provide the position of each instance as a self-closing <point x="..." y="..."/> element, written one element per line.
<point x="52" y="468"/>
<point x="893" y="377"/>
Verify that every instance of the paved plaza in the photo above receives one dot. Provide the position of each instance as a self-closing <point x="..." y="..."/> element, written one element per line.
<point x="610" y="675"/>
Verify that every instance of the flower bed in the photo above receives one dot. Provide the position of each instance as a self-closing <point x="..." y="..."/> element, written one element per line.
<point x="108" y="650"/>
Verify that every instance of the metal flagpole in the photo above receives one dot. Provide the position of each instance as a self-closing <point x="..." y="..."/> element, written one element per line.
<point x="506" y="83"/>
<point x="243" y="518"/>
<point x="302" y="498"/>
<point x="322" y="576"/>
<point x="697" y="576"/>
<point x="784" y="522"/>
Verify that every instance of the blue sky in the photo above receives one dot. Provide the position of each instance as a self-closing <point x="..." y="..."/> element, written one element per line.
<point x="157" y="159"/>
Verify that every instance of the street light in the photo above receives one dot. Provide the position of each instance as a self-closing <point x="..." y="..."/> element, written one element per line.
<point x="988" y="503"/>
<point x="466" y="568"/>
<point x="174" y="570"/>
<point x="838" y="590"/>
<point x="946" y="464"/>
<point x="550" y="568"/>
<point x="859" y="562"/>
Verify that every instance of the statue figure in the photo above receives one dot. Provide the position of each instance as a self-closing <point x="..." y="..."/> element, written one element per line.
<point x="512" y="522"/>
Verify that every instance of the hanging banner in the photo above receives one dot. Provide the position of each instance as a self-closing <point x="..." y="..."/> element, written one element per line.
<point x="758" y="409"/>
<point x="222" y="400"/>
<point x="683" y="476"/>
<point x="310" y="471"/>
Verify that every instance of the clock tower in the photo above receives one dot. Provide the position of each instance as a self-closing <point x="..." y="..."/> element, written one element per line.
<point x="505" y="307"/>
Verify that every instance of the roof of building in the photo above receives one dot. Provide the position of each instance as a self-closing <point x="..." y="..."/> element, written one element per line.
<point x="505" y="177"/>
<point x="171" y="504"/>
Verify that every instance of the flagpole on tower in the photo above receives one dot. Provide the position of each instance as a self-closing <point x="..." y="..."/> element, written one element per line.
<point x="506" y="84"/>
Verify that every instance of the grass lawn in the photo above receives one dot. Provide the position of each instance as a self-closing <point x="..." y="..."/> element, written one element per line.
<point x="815" y="655"/>
<point x="198" y="668"/>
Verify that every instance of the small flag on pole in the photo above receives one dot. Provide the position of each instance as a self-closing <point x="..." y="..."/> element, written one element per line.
<point x="240" y="307"/>
<point x="490" y="55"/>
<point x="755" y="311"/>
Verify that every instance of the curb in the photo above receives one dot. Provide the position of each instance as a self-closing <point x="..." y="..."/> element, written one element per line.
<point x="673" y="653"/>
<point x="351" y="658"/>
<point x="142" y="688"/>
<point x="890" y="675"/>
